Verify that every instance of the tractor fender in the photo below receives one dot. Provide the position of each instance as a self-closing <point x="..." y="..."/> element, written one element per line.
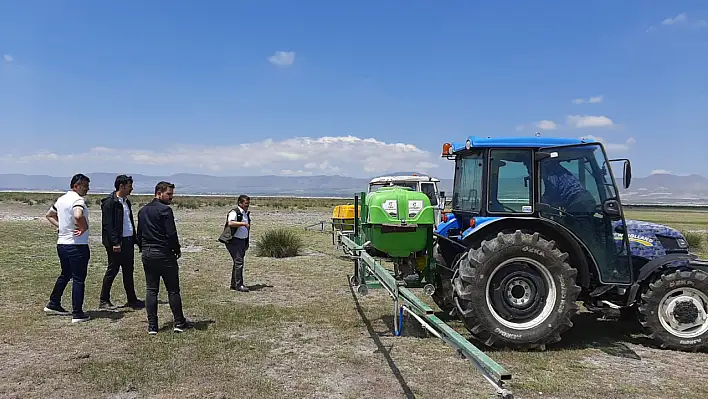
<point x="652" y="266"/>
<point x="580" y="256"/>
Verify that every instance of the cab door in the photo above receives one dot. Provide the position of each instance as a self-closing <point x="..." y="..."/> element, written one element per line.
<point x="576" y="189"/>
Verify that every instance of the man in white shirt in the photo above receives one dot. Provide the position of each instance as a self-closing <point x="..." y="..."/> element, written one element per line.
<point x="69" y="215"/>
<point x="236" y="237"/>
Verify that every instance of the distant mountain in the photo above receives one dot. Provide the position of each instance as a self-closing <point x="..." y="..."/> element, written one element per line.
<point x="666" y="189"/>
<point x="653" y="189"/>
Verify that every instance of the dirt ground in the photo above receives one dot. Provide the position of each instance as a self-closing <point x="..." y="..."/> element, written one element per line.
<point x="300" y="332"/>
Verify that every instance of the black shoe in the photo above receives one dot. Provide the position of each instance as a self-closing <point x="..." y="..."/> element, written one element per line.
<point x="106" y="305"/>
<point x="180" y="327"/>
<point x="242" y="288"/>
<point x="152" y="330"/>
<point x="80" y="318"/>
<point x="136" y="304"/>
<point x="56" y="309"/>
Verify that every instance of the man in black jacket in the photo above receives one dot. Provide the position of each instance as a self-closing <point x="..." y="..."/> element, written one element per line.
<point x="160" y="247"/>
<point x="118" y="236"/>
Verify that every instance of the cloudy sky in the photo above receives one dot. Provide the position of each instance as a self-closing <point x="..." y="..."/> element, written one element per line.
<point x="359" y="89"/>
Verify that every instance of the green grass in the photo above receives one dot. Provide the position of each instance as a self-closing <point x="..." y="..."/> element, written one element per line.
<point x="297" y="334"/>
<point x="184" y="201"/>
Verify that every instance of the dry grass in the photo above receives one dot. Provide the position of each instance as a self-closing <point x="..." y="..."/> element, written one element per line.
<point x="299" y="333"/>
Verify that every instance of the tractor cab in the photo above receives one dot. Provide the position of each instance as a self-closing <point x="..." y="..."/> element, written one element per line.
<point x="565" y="184"/>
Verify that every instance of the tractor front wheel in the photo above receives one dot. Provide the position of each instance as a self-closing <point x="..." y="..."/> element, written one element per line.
<point x="443" y="285"/>
<point x="517" y="290"/>
<point x="674" y="310"/>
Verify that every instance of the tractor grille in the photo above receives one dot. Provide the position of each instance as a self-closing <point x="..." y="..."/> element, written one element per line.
<point x="670" y="244"/>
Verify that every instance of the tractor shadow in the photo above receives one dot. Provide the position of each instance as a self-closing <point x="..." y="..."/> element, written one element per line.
<point x="609" y="335"/>
<point x="592" y="331"/>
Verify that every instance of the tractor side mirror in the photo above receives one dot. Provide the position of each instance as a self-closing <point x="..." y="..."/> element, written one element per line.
<point x="627" y="178"/>
<point x="626" y="173"/>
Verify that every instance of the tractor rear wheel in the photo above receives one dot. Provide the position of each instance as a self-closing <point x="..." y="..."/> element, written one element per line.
<point x="517" y="290"/>
<point x="674" y="310"/>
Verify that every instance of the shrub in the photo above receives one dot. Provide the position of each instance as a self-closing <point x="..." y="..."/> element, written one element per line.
<point x="694" y="239"/>
<point x="279" y="243"/>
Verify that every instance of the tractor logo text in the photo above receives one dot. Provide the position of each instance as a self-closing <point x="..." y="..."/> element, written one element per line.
<point x="533" y="250"/>
<point x="636" y="238"/>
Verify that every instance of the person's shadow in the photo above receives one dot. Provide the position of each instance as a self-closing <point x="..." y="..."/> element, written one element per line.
<point x="112" y="315"/>
<point x="200" y="325"/>
<point x="258" y="287"/>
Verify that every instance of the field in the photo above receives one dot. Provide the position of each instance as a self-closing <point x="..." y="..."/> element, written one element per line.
<point x="299" y="333"/>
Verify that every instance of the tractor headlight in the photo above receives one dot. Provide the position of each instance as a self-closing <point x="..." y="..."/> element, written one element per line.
<point x="391" y="207"/>
<point x="414" y="207"/>
<point x="682" y="243"/>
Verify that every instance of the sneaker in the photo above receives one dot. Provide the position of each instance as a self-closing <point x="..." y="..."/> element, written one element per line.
<point x="152" y="330"/>
<point x="180" y="327"/>
<point x="106" y="305"/>
<point x="136" y="304"/>
<point x="80" y="318"/>
<point x="56" y="309"/>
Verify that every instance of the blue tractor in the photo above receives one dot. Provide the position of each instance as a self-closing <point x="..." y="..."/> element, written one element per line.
<point x="536" y="226"/>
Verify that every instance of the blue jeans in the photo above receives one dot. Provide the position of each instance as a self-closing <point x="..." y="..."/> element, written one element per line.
<point x="74" y="261"/>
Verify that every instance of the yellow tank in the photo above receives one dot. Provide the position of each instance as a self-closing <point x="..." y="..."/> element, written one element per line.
<point x="343" y="217"/>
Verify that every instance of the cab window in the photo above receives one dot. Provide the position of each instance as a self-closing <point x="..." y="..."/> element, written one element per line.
<point x="429" y="190"/>
<point x="510" y="188"/>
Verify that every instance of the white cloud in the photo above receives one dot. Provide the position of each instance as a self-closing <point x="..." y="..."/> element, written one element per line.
<point x="7" y="58"/>
<point x="546" y="125"/>
<point x="613" y="147"/>
<point x="681" y="18"/>
<point x="579" y="121"/>
<point x="591" y="100"/>
<point x="346" y="155"/>
<point x="660" y="172"/>
<point x="282" y="58"/>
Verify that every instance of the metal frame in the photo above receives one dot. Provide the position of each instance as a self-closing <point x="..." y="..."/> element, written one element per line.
<point x="368" y="273"/>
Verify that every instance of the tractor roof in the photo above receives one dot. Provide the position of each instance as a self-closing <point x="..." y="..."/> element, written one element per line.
<point x="525" y="141"/>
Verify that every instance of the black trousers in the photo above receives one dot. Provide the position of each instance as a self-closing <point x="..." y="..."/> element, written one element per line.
<point x="159" y="264"/>
<point x="237" y="249"/>
<point x="74" y="260"/>
<point x="124" y="259"/>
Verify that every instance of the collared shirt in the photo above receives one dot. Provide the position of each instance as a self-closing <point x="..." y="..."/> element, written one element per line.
<point x="127" y="226"/>
<point x="64" y="207"/>
<point x="241" y="231"/>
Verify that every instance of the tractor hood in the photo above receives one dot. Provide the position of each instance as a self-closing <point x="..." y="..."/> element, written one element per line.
<point x="650" y="240"/>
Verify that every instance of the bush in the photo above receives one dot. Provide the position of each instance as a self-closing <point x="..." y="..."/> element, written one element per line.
<point x="694" y="239"/>
<point x="279" y="243"/>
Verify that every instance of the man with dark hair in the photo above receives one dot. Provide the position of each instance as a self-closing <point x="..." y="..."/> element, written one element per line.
<point x="158" y="241"/>
<point x="236" y="238"/>
<point x="69" y="214"/>
<point x="118" y="231"/>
